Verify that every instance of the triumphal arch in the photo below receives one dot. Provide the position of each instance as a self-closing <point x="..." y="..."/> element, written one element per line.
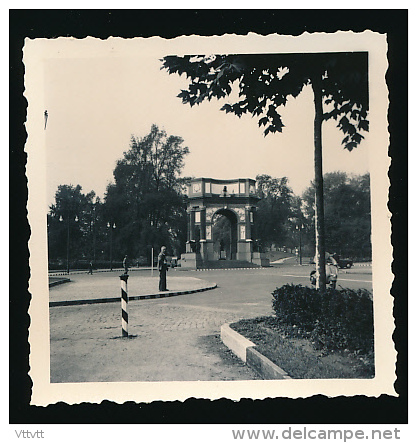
<point x="234" y="200"/>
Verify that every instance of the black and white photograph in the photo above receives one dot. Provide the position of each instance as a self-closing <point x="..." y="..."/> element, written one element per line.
<point x="209" y="217"/>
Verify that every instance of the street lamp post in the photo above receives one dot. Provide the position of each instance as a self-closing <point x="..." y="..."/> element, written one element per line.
<point x="68" y="239"/>
<point x="93" y="231"/>
<point x="111" y="227"/>
<point x="68" y="244"/>
<point x="299" y="228"/>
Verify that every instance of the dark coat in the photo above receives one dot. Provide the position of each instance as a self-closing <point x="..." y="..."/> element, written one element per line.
<point x="162" y="262"/>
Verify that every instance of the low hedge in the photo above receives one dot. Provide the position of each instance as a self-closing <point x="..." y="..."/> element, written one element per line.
<point x="84" y="264"/>
<point x="334" y="319"/>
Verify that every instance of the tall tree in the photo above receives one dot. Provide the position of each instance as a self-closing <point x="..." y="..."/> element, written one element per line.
<point x="347" y="213"/>
<point x="265" y="81"/>
<point x="146" y="199"/>
<point x="69" y="223"/>
<point x="275" y="209"/>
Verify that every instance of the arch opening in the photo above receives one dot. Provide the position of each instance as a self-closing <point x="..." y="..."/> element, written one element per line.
<point x="224" y="235"/>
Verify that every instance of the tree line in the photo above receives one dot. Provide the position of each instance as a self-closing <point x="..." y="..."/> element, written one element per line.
<point x="145" y="208"/>
<point x="286" y="220"/>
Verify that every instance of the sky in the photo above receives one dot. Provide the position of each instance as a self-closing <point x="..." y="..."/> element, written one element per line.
<point x="96" y="103"/>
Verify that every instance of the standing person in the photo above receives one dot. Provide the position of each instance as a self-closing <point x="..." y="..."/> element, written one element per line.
<point x="125" y="265"/>
<point x="163" y="268"/>
<point x="90" y="267"/>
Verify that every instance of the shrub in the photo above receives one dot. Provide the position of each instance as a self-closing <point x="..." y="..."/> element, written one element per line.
<point x="296" y="305"/>
<point x="83" y="264"/>
<point x="334" y="319"/>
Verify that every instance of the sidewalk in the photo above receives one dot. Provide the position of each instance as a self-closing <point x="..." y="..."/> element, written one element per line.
<point x="99" y="290"/>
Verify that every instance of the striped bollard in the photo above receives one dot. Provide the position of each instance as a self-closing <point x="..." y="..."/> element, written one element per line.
<point x="125" y="322"/>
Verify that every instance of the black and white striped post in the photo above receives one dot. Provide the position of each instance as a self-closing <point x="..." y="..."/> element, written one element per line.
<point x="125" y="321"/>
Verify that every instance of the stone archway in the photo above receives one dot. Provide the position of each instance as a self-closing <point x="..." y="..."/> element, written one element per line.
<point x="234" y="199"/>
<point x="225" y="224"/>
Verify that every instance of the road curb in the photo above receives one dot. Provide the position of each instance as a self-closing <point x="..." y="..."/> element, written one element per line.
<point x="235" y="342"/>
<point x="247" y="352"/>
<point x="131" y="298"/>
<point x="263" y="366"/>
<point x="59" y="282"/>
<point x="226" y="269"/>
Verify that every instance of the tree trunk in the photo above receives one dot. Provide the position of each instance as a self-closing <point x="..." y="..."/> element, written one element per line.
<point x="318" y="186"/>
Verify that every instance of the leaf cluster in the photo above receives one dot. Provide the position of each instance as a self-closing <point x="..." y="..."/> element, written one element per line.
<point x="275" y="208"/>
<point x="72" y="213"/>
<point x="266" y="81"/>
<point x="144" y="207"/>
<point x="147" y="191"/>
<point x="335" y="320"/>
<point x="347" y="213"/>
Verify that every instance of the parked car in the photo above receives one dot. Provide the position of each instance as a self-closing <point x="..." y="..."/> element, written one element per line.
<point x="343" y="263"/>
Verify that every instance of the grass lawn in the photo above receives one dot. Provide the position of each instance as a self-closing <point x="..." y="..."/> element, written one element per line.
<point x="296" y="354"/>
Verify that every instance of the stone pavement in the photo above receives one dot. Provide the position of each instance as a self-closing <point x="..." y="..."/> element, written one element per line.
<point x="171" y="339"/>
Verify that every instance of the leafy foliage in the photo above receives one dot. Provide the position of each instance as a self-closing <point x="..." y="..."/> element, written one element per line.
<point x="291" y="351"/>
<point x="70" y="215"/>
<point x="275" y="208"/>
<point x="265" y="82"/>
<point x="146" y="198"/>
<point x="143" y="208"/>
<point x="335" y="320"/>
<point x="347" y="213"/>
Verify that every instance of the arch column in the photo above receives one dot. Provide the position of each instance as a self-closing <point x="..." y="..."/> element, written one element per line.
<point x="250" y="222"/>
<point x="204" y="250"/>
<point x="208" y="245"/>
<point x="202" y="223"/>
<point x="244" y="245"/>
<point x="190" y="230"/>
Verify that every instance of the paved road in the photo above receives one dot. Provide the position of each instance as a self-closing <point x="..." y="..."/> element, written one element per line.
<point x="172" y="339"/>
